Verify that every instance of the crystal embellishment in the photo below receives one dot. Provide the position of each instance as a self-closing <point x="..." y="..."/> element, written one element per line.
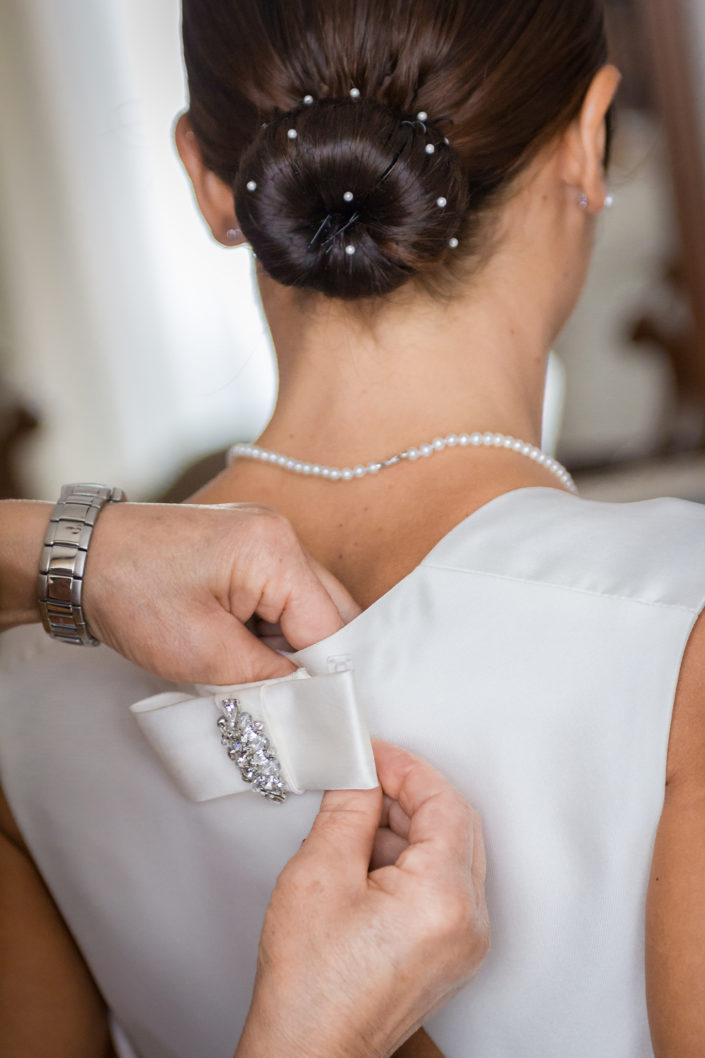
<point x="249" y="748"/>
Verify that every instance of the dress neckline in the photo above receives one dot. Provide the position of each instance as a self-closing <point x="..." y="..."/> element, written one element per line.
<point x="485" y="510"/>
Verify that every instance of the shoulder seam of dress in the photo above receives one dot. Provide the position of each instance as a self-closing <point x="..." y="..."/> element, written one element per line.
<point x="541" y="582"/>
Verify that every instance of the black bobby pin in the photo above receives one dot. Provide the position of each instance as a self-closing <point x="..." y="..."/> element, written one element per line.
<point x="326" y="220"/>
<point x="340" y="231"/>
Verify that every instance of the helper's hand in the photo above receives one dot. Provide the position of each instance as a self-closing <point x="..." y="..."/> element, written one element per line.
<point x="352" y="960"/>
<point x="171" y="587"/>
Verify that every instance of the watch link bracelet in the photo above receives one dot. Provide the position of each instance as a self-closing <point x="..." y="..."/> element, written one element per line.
<point x="63" y="560"/>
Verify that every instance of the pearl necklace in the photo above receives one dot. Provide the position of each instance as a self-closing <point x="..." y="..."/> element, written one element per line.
<point x="462" y="440"/>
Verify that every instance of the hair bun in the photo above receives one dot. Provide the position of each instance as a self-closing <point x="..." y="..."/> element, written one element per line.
<point x="349" y="198"/>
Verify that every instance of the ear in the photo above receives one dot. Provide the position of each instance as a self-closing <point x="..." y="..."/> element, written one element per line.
<point x="214" y="198"/>
<point x="585" y="142"/>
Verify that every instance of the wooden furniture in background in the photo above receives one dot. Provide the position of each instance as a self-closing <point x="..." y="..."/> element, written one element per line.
<point x="17" y="421"/>
<point x="668" y="26"/>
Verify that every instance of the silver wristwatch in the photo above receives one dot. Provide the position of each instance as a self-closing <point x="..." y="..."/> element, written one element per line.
<point x="63" y="560"/>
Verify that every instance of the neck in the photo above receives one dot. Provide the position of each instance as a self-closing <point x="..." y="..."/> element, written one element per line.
<point x="354" y="389"/>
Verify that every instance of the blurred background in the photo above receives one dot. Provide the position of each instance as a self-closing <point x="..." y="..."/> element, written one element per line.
<point x="131" y="345"/>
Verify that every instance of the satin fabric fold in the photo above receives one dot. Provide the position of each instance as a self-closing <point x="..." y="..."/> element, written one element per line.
<point x="314" y="723"/>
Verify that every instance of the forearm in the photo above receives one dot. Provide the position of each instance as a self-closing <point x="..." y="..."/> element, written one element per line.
<point x="285" y="1020"/>
<point x="263" y="1037"/>
<point x="23" y="525"/>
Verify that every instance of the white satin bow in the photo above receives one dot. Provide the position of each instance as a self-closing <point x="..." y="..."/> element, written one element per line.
<point x="314" y="724"/>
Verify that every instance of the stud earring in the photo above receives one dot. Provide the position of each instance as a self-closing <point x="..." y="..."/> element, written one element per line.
<point x="233" y="234"/>
<point x="584" y="201"/>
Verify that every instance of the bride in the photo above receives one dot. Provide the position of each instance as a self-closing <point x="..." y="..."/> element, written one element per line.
<point x="420" y="183"/>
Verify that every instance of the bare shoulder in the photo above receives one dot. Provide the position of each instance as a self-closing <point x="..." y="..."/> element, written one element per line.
<point x="686" y="750"/>
<point x="675" y="923"/>
<point x="8" y="826"/>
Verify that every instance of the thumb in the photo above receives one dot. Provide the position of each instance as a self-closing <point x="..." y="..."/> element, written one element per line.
<point x="343" y="833"/>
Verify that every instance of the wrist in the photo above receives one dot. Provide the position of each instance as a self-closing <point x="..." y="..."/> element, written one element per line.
<point x="23" y="524"/>
<point x="278" y="1028"/>
<point x="113" y="565"/>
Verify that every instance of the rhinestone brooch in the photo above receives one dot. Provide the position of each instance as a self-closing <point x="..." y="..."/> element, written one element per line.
<point x="249" y="748"/>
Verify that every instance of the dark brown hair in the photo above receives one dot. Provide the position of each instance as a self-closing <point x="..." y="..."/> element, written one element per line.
<point x="497" y="79"/>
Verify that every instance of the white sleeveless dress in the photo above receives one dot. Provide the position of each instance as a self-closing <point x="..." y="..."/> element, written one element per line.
<point x="533" y="656"/>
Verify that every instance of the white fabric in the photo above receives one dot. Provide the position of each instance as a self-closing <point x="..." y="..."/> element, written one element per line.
<point x="533" y="656"/>
<point x="314" y="725"/>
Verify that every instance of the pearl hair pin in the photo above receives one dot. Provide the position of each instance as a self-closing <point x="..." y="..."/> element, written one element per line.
<point x="463" y="440"/>
<point x="348" y="196"/>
